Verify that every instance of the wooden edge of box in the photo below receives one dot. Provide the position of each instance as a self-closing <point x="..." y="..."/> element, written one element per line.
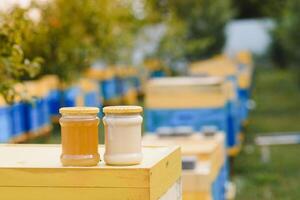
<point x="164" y="174"/>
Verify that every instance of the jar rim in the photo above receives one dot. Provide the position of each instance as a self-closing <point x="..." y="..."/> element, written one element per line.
<point x="79" y="110"/>
<point x="122" y="109"/>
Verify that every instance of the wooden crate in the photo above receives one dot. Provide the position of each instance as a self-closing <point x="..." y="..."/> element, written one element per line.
<point x="210" y="153"/>
<point x="186" y="92"/>
<point x="34" y="172"/>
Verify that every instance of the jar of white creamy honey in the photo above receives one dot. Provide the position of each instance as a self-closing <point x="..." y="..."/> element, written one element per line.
<point x="123" y="132"/>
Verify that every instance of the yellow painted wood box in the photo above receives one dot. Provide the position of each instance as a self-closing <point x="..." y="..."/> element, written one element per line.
<point x="34" y="172"/>
<point x="219" y="66"/>
<point x="210" y="153"/>
<point x="223" y="66"/>
<point x="186" y="92"/>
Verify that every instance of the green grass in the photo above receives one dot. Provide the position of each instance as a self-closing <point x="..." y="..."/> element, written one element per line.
<point x="277" y="98"/>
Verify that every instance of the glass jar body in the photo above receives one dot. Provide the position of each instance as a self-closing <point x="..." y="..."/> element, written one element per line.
<point x="79" y="137"/>
<point x="123" y="139"/>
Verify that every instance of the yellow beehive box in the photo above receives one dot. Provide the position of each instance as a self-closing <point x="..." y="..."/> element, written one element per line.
<point x="153" y="64"/>
<point x="51" y="81"/>
<point x="224" y="66"/>
<point x="100" y="73"/>
<point x="34" y="172"/>
<point x="219" y="66"/>
<point x="244" y="80"/>
<point x="206" y="149"/>
<point x="131" y="97"/>
<point x="88" y="85"/>
<point x="245" y="59"/>
<point x="186" y="92"/>
<point x="210" y="153"/>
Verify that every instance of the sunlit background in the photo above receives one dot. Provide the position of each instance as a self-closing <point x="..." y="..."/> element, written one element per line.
<point x="57" y="53"/>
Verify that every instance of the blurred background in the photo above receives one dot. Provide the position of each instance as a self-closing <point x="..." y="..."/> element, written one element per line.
<point x="57" y="53"/>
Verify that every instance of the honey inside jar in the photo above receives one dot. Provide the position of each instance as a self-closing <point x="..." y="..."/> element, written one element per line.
<point x="79" y="134"/>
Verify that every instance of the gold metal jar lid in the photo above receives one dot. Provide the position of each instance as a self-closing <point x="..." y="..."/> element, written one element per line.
<point x="122" y="109"/>
<point x="79" y="110"/>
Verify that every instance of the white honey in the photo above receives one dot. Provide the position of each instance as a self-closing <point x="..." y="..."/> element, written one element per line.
<point x="123" y="127"/>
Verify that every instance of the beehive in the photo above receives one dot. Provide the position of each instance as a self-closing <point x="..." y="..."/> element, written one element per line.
<point x="218" y="66"/>
<point x="37" y="115"/>
<point x="91" y="92"/>
<point x="107" y="81"/>
<point x="231" y="70"/>
<point x="5" y="121"/>
<point x="54" y="95"/>
<point x="155" y="68"/>
<point x="246" y="69"/>
<point x="207" y="180"/>
<point x="185" y="92"/>
<point x="192" y="102"/>
<point x="34" y="172"/>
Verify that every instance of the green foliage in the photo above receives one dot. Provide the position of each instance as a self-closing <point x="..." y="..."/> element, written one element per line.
<point x="195" y="29"/>
<point x="14" y="65"/>
<point x="288" y="29"/>
<point x="72" y="34"/>
<point x="258" y="8"/>
<point x="284" y="50"/>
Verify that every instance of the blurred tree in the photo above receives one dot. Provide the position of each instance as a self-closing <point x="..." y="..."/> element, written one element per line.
<point x="284" y="50"/>
<point x="195" y="29"/>
<point x="258" y="8"/>
<point x="14" y="65"/>
<point x="72" y="34"/>
<point x="288" y="31"/>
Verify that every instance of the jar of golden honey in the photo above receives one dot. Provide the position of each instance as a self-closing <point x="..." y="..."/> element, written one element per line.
<point x="123" y="128"/>
<point x="79" y="136"/>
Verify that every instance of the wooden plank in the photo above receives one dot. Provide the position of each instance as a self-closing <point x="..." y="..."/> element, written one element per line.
<point x="59" y="193"/>
<point x="276" y="139"/>
<point x="39" y="166"/>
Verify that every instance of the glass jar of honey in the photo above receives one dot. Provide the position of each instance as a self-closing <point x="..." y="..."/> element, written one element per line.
<point x="79" y="136"/>
<point x="123" y="127"/>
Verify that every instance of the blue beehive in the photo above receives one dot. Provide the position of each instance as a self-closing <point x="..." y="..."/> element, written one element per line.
<point x="128" y="88"/>
<point x="108" y="83"/>
<point x="73" y="96"/>
<point x="32" y="109"/>
<point x="5" y="122"/>
<point x="155" y="68"/>
<point x="225" y="67"/>
<point x="189" y="102"/>
<point x="90" y="90"/>
<point x="245" y="73"/>
<point x="18" y="119"/>
<point x="31" y="116"/>
<point x="54" y="94"/>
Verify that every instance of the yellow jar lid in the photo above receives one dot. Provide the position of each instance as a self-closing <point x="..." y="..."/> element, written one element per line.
<point x="122" y="109"/>
<point x="78" y="110"/>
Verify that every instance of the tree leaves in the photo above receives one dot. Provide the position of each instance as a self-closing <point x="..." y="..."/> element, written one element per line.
<point x="14" y="66"/>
